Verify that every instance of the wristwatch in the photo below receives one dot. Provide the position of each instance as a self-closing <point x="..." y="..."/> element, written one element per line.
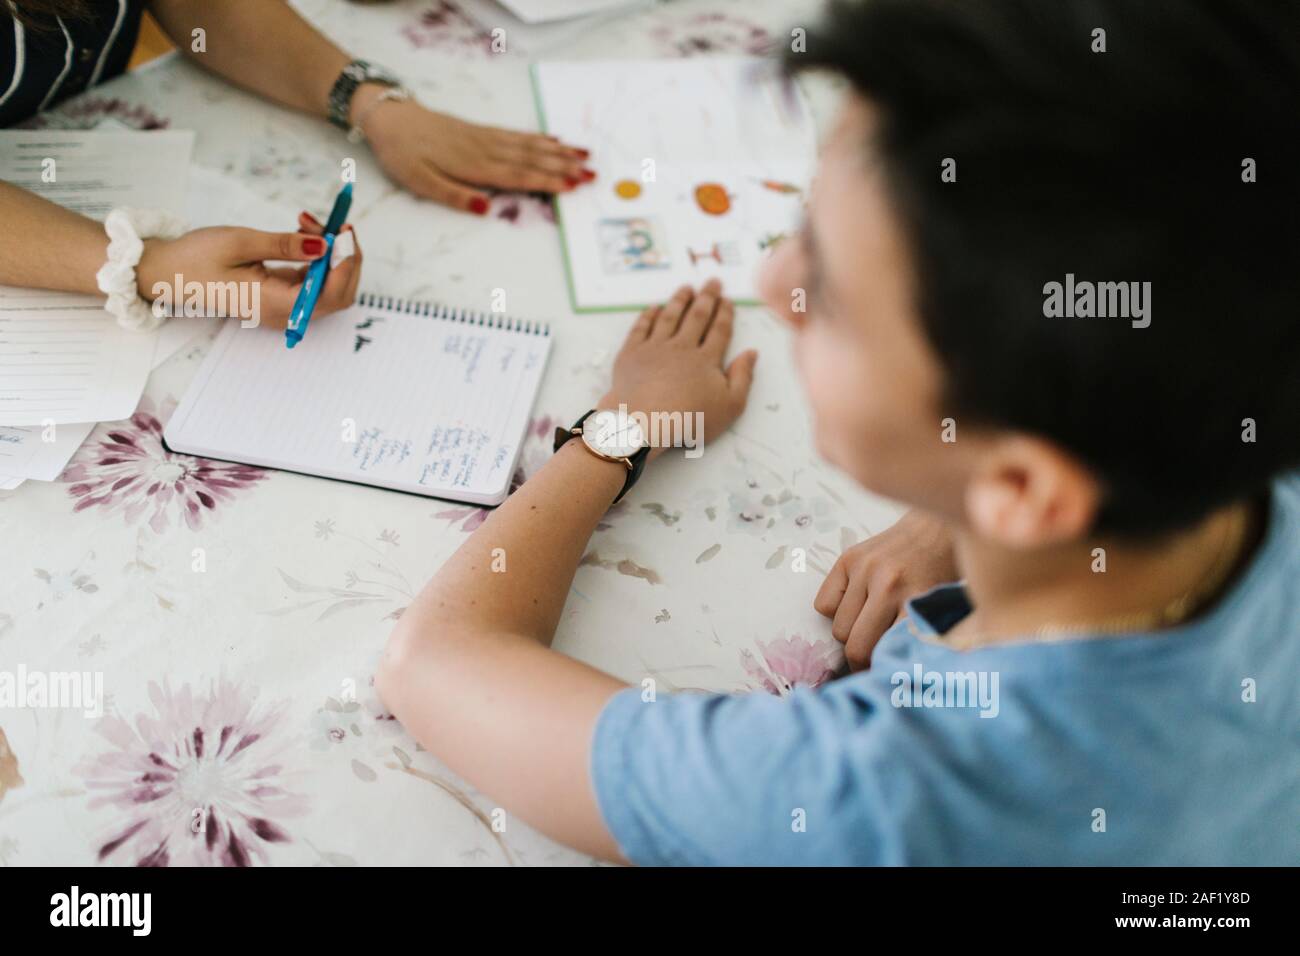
<point x="612" y="436"/>
<point x="352" y="76"/>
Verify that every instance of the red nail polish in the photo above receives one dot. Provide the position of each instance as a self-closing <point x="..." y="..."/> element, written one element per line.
<point x="584" y="153"/>
<point x="588" y="175"/>
<point x="570" y="182"/>
<point x="478" y="205"/>
<point x="313" y="246"/>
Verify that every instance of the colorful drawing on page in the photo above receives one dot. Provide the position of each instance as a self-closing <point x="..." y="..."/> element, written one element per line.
<point x="779" y="187"/>
<point x="770" y="240"/>
<point x="723" y="253"/>
<point x="632" y="245"/>
<point x="712" y="198"/>
<point x="734" y="174"/>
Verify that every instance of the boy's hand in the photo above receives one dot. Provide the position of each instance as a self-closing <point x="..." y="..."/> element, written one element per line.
<point x="865" y="590"/>
<point x="671" y="361"/>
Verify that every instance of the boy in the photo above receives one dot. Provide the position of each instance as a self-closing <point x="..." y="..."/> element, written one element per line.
<point x="998" y="171"/>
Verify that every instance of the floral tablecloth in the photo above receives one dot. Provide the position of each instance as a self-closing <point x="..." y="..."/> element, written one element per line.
<point x="236" y="615"/>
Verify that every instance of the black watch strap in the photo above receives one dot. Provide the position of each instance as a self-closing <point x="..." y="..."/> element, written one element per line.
<point x="637" y="459"/>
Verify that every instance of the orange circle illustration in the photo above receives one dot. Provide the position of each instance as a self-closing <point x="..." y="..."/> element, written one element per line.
<point x="627" y="188"/>
<point x="712" y="198"/>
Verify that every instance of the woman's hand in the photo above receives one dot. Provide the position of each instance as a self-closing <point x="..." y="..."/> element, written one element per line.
<point x="224" y="254"/>
<point x="865" y="589"/>
<point x="442" y="158"/>
<point x="671" y="361"/>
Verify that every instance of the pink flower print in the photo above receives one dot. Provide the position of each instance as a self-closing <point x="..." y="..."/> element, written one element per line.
<point x="469" y="517"/>
<point x="709" y="34"/>
<point x="445" y="26"/>
<point x="87" y="112"/>
<point x="543" y="426"/>
<point x="128" y="469"/>
<point x="199" y="782"/>
<point x="789" y="661"/>
<point x="523" y="208"/>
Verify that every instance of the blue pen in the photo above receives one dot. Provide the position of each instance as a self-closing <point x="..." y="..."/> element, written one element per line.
<point x="317" y="272"/>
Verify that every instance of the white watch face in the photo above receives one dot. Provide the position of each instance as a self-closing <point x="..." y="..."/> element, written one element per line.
<point x="613" y="434"/>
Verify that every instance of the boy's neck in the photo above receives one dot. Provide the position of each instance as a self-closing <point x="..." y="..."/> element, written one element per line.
<point x="1015" y="593"/>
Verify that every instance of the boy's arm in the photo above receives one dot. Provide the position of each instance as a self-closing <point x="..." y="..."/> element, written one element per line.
<point x="468" y="669"/>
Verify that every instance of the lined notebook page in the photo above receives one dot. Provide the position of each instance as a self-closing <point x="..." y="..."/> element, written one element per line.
<point x="407" y="396"/>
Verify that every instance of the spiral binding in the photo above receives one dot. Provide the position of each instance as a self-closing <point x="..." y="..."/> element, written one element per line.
<point x="434" y="310"/>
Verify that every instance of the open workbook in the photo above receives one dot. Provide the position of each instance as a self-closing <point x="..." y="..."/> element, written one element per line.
<point x="702" y="166"/>
<point x="411" y="396"/>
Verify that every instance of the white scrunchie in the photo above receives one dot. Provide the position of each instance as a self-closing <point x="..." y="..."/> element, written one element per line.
<point x="126" y="229"/>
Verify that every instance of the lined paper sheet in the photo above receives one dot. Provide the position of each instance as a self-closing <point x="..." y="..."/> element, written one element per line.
<point x="63" y="359"/>
<point x="91" y="171"/>
<point x="39" y="453"/>
<point x="380" y="396"/>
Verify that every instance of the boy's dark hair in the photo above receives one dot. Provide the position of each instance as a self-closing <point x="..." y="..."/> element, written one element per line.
<point x="1118" y="166"/>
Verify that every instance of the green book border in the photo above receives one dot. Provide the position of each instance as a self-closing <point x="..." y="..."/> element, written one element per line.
<point x="564" y="244"/>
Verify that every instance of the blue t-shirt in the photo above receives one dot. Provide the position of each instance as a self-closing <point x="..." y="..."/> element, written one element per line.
<point x="1181" y="747"/>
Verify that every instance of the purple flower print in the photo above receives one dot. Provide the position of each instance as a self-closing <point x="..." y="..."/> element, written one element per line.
<point x="199" y="783"/>
<point x="88" y="111"/>
<point x="709" y="34"/>
<point x="523" y="208"/>
<point x="537" y="448"/>
<point x="789" y="661"/>
<point x="129" y="470"/>
<point x="469" y="517"/>
<point x="445" y="26"/>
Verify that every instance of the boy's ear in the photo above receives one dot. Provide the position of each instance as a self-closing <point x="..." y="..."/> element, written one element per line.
<point x="1028" y="493"/>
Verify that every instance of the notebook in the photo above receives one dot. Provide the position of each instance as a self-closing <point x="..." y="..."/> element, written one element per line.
<point x="412" y="396"/>
<point x="702" y="167"/>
